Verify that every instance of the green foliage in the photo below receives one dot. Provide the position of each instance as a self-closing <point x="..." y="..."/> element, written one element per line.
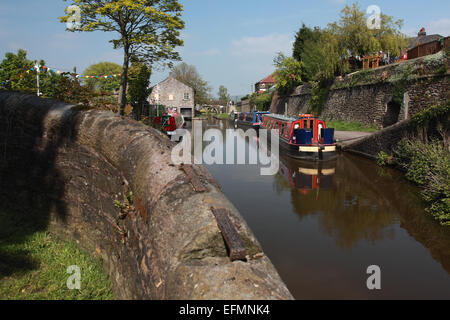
<point x="189" y="75"/>
<point x="12" y="67"/>
<point x="428" y="165"/>
<point x="303" y="35"/>
<point x="288" y="73"/>
<point x="138" y="82"/>
<point x="103" y="69"/>
<point x="382" y="158"/>
<point x="354" y="35"/>
<point x="325" y="52"/>
<point x="322" y="57"/>
<point x="261" y="101"/>
<point x="224" y="97"/>
<point x="423" y="118"/>
<point x="319" y="94"/>
<point x="149" y="30"/>
<point x="63" y="87"/>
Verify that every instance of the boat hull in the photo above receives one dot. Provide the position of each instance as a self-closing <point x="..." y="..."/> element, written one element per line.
<point x="308" y="153"/>
<point x="247" y="124"/>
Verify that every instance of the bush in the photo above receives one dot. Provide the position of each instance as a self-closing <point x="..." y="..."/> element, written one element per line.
<point x="382" y="158"/>
<point x="428" y="165"/>
<point x="261" y="101"/>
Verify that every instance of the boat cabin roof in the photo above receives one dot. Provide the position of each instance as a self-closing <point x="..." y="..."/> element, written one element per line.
<point x="290" y="118"/>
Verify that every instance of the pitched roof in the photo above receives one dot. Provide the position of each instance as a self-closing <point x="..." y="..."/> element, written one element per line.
<point x="414" y="42"/>
<point x="268" y="79"/>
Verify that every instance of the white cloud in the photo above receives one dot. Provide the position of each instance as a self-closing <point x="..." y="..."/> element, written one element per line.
<point x="267" y="45"/>
<point x="441" y="26"/>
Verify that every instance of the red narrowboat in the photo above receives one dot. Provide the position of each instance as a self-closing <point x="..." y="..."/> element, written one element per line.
<point x="304" y="137"/>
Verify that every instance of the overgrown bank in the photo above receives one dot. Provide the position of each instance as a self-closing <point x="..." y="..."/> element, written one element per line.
<point x="425" y="157"/>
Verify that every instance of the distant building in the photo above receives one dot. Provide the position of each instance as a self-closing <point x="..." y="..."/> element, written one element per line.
<point x="424" y="44"/>
<point x="173" y="93"/>
<point x="265" y="84"/>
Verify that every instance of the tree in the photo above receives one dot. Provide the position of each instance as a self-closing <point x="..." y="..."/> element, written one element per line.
<point x="224" y="97"/>
<point x="138" y="85"/>
<point x="304" y="34"/>
<point x="189" y="76"/>
<point x="357" y="39"/>
<point x="322" y="57"/>
<point x="99" y="70"/>
<point x="149" y="30"/>
<point x="288" y="73"/>
<point x="14" y="75"/>
<point x="261" y="101"/>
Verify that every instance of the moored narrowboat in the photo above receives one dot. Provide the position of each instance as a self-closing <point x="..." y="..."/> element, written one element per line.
<point x="234" y="115"/>
<point x="303" y="137"/>
<point x="251" y="119"/>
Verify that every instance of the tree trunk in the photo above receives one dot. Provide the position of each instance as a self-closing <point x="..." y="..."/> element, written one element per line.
<point x="123" y="81"/>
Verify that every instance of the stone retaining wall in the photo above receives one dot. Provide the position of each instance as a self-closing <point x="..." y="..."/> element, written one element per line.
<point x="72" y="165"/>
<point x="368" y="96"/>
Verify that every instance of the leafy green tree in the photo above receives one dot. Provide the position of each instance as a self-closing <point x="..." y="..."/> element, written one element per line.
<point x="99" y="70"/>
<point x="288" y="73"/>
<point x="304" y="34"/>
<point x="189" y="76"/>
<point x="322" y="57"/>
<point x="224" y="97"/>
<point x="148" y="30"/>
<point x="13" y="72"/>
<point x="355" y="38"/>
<point x="138" y="85"/>
<point x="261" y="101"/>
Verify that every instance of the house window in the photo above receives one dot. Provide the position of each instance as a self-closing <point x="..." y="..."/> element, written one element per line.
<point x="170" y="97"/>
<point x="186" y="96"/>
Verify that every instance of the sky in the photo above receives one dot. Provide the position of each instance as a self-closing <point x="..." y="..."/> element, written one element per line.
<point x="231" y="42"/>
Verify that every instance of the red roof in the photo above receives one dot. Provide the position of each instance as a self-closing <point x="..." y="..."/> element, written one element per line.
<point x="269" y="79"/>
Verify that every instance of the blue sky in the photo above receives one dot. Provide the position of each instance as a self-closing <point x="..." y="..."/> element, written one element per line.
<point x="231" y="42"/>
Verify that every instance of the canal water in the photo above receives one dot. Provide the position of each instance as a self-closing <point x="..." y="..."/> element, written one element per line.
<point x="323" y="225"/>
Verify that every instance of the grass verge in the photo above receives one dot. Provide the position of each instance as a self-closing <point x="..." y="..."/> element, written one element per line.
<point x="350" y="126"/>
<point x="33" y="265"/>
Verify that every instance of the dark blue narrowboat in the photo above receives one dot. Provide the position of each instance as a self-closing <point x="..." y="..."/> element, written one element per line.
<point x="304" y="137"/>
<point x="251" y="119"/>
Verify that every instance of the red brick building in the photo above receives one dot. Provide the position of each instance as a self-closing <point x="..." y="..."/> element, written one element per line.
<point x="264" y="84"/>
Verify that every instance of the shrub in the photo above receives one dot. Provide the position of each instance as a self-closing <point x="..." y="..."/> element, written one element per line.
<point x="382" y="158"/>
<point x="428" y="165"/>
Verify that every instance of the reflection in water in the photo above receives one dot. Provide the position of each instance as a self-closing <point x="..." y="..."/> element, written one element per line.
<point x="323" y="224"/>
<point x="345" y="207"/>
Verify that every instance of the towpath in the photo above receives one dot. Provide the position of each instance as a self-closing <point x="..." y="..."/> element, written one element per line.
<point x="344" y="138"/>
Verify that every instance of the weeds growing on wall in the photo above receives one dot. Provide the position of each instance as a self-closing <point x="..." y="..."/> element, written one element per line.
<point x="428" y="165"/>
<point x="319" y="95"/>
<point x="426" y="159"/>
